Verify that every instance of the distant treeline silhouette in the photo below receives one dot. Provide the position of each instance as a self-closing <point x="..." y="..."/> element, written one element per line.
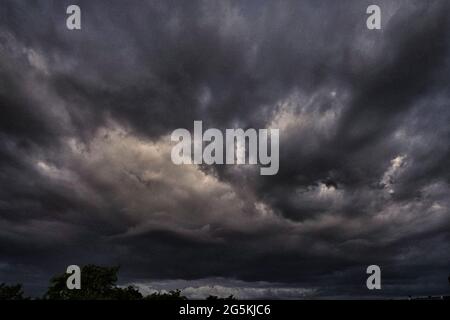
<point x="98" y="283"/>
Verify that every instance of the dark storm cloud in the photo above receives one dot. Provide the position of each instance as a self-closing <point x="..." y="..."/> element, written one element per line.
<point x="85" y="171"/>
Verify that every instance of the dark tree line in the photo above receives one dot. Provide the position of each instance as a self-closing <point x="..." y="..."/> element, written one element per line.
<point x="14" y="292"/>
<point x="98" y="283"/>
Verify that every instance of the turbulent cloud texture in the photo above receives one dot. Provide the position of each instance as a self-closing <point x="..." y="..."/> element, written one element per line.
<point x="364" y="119"/>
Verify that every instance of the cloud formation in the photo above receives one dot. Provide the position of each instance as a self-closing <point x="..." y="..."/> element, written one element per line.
<point x="85" y="170"/>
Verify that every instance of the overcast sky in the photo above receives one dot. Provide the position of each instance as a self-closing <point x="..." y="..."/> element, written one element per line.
<point x="85" y="124"/>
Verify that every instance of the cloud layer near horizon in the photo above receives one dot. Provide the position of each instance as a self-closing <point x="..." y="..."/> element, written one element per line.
<point x="85" y="170"/>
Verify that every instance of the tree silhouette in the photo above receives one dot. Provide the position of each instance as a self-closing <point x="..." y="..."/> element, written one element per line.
<point x="13" y="292"/>
<point x="97" y="283"/>
<point x="171" y="295"/>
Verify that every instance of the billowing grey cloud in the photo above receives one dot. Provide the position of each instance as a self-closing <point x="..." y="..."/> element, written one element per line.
<point x="85" y="170"/>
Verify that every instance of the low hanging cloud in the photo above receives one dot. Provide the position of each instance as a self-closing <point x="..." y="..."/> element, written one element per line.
<point x="224" y="288"/>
